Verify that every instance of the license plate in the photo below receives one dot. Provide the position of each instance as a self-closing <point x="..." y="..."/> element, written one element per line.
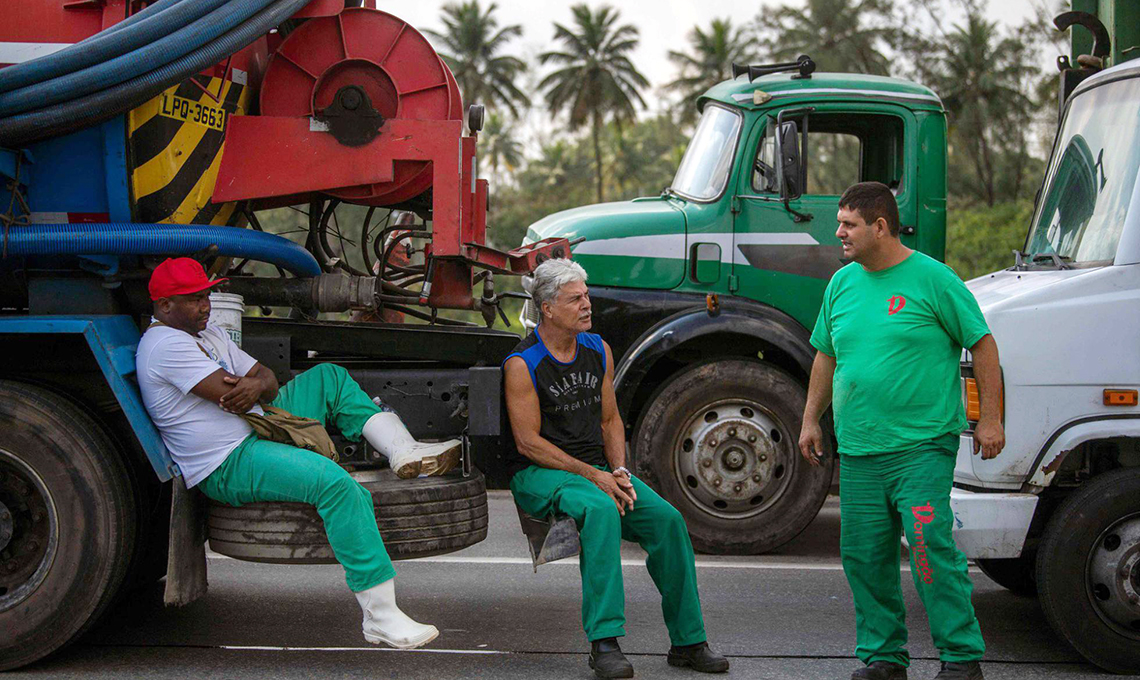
<point x="181" y="108"/>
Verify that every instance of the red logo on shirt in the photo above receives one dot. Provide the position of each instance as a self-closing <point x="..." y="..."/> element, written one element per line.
<point x="897" y="302"/>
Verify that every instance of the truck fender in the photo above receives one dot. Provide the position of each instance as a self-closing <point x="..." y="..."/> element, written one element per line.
<point x="753" y="320"/>
<point x="112" y="340"/>
<point x="1074" y="433"/>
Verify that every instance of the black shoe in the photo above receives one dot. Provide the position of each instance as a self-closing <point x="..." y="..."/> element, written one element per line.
<point x="698" y="657"/>
<point x="880" y="670"/>
<point x="970" y="670"/>
<point x="607" y="660"/>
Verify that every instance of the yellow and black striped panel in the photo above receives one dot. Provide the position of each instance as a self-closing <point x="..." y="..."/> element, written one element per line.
<point x="174" y="159"/>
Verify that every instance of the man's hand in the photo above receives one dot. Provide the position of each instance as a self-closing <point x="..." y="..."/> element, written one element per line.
<point x="626" y="484"/>
<point x="609" y="484"/>
<point x="811" y="441"/>
<point x="989" y="438"/>
<point x="243" y="396"/>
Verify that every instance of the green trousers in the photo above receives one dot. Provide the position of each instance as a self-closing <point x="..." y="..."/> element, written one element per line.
<point x="654" y="524"/>
<point x="880" y="497"/>
<point x="259" y="470"/>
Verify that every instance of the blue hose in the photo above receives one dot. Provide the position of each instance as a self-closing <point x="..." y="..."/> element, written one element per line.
<point x="95" y="108"/>
<point x="132" y="64"/>
<point x="146" y="27"/>
<point x="159" y="239"/>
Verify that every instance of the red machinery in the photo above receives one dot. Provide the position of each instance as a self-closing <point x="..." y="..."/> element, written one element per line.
<point x="357" y="105"/>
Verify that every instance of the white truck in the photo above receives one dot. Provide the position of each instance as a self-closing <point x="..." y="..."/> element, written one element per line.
<point x="1057" y="514"/>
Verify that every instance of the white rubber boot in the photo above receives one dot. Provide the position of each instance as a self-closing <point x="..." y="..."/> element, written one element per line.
<point x="385" y="623"/>
<point x="408" y="457"/>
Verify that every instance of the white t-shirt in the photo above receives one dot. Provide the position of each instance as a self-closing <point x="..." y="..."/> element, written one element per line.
<point x="197" y="432"/>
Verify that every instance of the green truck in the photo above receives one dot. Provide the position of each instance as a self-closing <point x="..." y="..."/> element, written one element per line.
<point x="708" y="293"/>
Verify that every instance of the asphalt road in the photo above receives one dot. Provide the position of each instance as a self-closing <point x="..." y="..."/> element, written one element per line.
<point x="787" y="615"/>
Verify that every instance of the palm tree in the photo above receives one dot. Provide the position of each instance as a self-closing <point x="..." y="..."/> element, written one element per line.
<point x="595" y="79"/>
<point x="471" y="44"/>
<point x="984" y="81"/>
<point x="838" y="34"/>
<point x="498" y="145"/>
<point x="709" y="61"/>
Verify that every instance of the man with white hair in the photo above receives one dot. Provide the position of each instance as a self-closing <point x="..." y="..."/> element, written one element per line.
<point x="560" y="398"/>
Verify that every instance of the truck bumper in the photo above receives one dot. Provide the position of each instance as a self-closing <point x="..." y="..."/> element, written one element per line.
<point x="989" y="525"/>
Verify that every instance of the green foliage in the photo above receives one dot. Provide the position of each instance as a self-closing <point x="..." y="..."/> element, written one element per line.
<point x="499" y="146"/>
<point x="594" y="79"/>
<point x="981" y="240"/>
<point x="986" y="79"/>
<point x="709" y="62"/>
<point x="471" y="44"/>
<point x="840" y="35"/>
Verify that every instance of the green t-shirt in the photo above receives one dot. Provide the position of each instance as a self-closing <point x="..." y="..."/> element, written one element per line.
<point x="897" y="337"/>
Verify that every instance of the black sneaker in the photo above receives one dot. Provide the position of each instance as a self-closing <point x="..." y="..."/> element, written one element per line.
<point x="951" y="670"/>
<point x="880" y="670"/>
<point x="607" y="660"/>
<point x="698" y="657"/>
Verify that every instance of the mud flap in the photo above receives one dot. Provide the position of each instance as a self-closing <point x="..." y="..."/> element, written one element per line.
<point x="186" y="561"/>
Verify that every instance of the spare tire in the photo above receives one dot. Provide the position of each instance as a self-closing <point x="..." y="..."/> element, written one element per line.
<point x="417" y="518"/>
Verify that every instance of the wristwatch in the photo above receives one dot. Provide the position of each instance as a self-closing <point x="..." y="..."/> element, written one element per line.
<point x="623" y="469"/>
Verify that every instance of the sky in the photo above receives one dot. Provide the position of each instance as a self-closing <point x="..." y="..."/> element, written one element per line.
<point x="663" y="23"/>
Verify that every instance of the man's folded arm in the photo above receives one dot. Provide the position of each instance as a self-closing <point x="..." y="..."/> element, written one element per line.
<point x="214" y="386"/>
<point x="268" y="380"/>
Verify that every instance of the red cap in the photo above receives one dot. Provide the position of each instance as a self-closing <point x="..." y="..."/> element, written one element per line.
<point x="179" y="276"/>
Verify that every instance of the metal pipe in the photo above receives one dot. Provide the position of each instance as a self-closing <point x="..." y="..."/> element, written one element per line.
<point x="324" y="293"/>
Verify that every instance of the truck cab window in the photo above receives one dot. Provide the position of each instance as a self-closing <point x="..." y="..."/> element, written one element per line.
<point x="708" y="159"/>
<point x="841" y="149"/>
<point x="1080" y="217"/>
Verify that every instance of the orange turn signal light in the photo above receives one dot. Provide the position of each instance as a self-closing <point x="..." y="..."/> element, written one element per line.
<point x="974" y="402"/>
<point x="1120" y="398"/>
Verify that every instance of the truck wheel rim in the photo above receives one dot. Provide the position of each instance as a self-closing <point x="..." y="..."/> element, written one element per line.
<point x="731" y="459"/>
<point x="28" y="553"/>
<point x="1114" y="576"/>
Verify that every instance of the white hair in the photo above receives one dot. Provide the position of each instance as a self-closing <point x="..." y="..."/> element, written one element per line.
<point x="551" y="276"/>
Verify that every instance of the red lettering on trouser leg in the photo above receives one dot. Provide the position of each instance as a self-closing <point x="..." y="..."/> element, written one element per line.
<point x="923" y="514"/>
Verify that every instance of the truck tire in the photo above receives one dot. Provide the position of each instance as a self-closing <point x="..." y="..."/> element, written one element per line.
<point x="1088" y="570"/>
<point x="67" y="522"/>
<point x="719" y="442"/>
<point x="417" y="518"/>
<point x="1018" y="575"/>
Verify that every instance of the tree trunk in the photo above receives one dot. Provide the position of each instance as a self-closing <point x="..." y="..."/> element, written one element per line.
<point x="987" y="159"/>
<point x="598" y="153"/>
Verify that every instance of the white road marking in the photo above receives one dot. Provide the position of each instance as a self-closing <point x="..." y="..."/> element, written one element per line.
<point x="573" y="561"/>
<point x="263" y="648"/>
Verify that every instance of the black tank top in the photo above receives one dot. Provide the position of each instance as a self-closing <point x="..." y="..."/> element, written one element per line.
<point x="569" y="396"/>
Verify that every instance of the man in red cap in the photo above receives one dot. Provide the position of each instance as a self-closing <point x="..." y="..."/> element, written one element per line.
<point x="196" y="385"/>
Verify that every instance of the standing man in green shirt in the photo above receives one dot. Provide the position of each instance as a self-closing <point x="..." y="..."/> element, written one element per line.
<point x="890" y="336"/>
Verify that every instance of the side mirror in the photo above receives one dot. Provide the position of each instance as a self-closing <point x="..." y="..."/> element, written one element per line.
<point x="790" y="166"/>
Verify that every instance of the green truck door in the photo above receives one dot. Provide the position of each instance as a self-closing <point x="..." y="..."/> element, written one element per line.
<point x="782" y="259"/>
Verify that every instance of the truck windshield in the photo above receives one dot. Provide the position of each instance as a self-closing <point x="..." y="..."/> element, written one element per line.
<point x="1091" y="177"/>
<point x="705" y="167"/>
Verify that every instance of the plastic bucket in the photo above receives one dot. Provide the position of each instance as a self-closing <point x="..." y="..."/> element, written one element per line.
<point x="225" y="312"/>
